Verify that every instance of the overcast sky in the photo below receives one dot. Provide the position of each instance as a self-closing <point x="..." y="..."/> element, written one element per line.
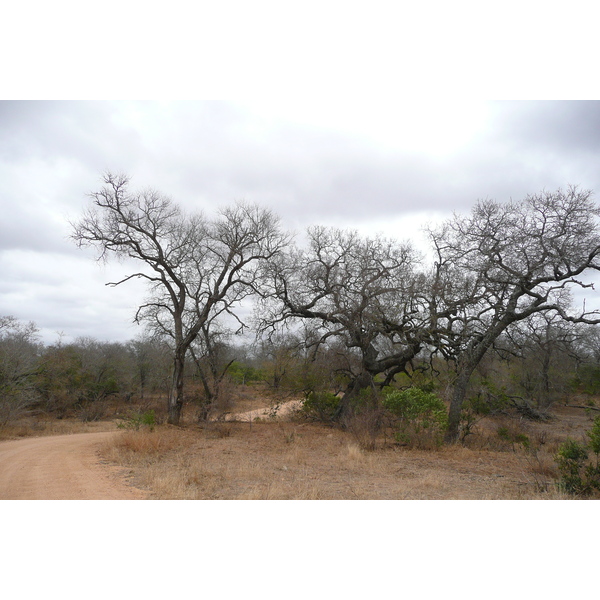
<point x="376" y="167"/>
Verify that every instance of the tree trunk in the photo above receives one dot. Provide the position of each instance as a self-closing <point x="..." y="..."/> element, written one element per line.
<point x="545" y="400"/>
<point x="175" y="402"/>
<point x="364" y="381"/>
<point x="209" y="397"/>
<point x="458" y="396"/>
<point x="466" y="366"/>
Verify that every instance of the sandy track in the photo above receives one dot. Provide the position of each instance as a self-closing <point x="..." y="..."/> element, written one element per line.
<point x="67" y="467"/>
<point x="64" y="467"/>
<point x="284" y="411"/>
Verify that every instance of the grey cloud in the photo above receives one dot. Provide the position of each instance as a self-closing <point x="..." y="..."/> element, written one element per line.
<point x="555" y="126"/>
<point x="209" y="154"/>
<point x="68" y="293"/>
<point x="86" y="131"/>
<point x="307" y="174"/>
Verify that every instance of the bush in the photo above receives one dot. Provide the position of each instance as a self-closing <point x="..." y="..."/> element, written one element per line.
<point x="13" y="408"/>
<point x="485" y="403"/>
<point x="93" y="411"/>
<point x="420" y="417"/>
<point x="364" y="423"/>
<point x="587" y="380"/>
<point x="489" y="400"/>
<point x="513" y="437"/>
<point x="594" y="437"/>
<point x="243" y="374"/>
<point x="320" y="406"/>
<point x="570" y="458"/>
<point x="578" y="476"/>
<point x="139" y="419"/>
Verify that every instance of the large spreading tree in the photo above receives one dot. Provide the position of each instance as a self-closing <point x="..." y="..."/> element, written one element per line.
<point x="365" y="293"/>
<point x="512" y="260"/>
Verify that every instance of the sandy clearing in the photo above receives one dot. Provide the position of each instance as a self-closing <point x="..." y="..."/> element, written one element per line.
<point x="284" y="411"/>
<point x="64" y="467"/>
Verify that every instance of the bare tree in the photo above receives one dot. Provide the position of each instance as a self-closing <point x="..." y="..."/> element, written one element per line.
<point x="511" y="260"/>
<point x="197" y="269"/>
<point x="360" y="291"/>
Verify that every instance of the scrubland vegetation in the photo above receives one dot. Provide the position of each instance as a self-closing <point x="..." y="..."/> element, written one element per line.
<point x="470" y="375"/>
<point x="515" y="442"/>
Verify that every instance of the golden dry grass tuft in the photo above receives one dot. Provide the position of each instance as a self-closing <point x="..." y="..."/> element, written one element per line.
<point x="148" y="442"/>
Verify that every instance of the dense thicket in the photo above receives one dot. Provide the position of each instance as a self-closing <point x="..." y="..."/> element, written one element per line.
<point x="77" y="378"/>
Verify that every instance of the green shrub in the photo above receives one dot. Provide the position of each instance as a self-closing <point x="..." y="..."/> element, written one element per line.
<point x="587" y="380"/>
<point x="418" y="416"/>
<point x="594" y="437"/>
<point x="244" y="374"/>
<point x="139" y="419"/>
<point x="578" y="476"/>
<point x="488" y="401"/>
<point x="320" y="406"/>
<point x="521" y="438"/>
<point x="416" y="406"/>
<point x="570" y="458"/>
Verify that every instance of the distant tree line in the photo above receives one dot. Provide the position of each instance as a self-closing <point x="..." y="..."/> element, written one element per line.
<point x="79" y="378"/>
<point x="74" y="379"/>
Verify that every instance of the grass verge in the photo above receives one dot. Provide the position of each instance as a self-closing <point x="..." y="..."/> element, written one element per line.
<point x="285" y="461"/>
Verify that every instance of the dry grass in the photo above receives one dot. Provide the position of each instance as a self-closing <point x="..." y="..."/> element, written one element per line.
<point x="286" y="460"/>
<point x="270" y="460"/>
<point x="46" y="427"/>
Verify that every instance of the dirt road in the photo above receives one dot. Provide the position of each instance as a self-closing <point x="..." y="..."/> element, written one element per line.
<point x="64" y="467"/>
<point x="67" y="467"/>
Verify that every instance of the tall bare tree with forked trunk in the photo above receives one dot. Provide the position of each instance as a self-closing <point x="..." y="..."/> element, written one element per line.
<point x="197" y="269"/>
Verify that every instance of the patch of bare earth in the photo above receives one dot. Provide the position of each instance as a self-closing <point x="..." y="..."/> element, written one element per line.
<point x="65" y="467"/>
<point x="287" y="460"/>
